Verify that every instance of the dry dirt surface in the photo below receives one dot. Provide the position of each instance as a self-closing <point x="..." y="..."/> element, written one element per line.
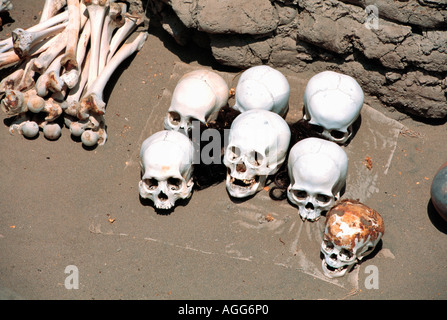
<point x="63" y="205"/>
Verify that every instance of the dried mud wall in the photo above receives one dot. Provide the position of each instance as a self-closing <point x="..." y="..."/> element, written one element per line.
<point x="397" y="50"/>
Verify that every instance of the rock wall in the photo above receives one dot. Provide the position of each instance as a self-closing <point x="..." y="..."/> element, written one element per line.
<point x="397" y="50"/>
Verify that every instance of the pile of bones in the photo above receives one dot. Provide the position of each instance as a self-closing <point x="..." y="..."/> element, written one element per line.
<point x="65" y="61"/>
<point x="62" y="64"/>
<point x="259" y="144"/>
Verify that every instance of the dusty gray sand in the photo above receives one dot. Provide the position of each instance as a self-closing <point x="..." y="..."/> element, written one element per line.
<point x="58" y="200"/>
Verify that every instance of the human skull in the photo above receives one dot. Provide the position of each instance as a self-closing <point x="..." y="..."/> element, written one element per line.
<point x="317" y="170"/>
<point x="257" y="146"/>
<point x="166" y="163"/>
<point x="352" y="231"/>
<point x="198" y="95"/>
<point x="262" y="87"/>
<point x="332" y="103"/>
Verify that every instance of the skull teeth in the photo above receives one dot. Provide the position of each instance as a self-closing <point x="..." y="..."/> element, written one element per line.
<point x="243" y="182"/>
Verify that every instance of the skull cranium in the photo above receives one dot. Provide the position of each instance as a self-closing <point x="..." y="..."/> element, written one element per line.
<point x="332" y="103"/>
<point x="317" y="171"/>
<point x="352" y="231"/>
<point x="166" y="163"/>
<point x="198" y="95"/>
<point x="257" y="146"/>
<point x="262" y="87"/>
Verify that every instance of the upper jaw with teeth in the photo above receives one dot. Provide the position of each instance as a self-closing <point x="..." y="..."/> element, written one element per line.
<point x="242" y="187"/>
<point x="332" y="272"/>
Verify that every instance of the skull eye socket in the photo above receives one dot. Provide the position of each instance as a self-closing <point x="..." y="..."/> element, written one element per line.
<point x="300" y="194"/>
<point x="316" y="128"/>
<point x="174" y="118"/>
<point x="337" y="135"/>
<point x="323" y="198"/>
<point x="255" y="158"/>
<point x="345" y="254"/>
<point x="327" y="245"/>
<point x="233" y="153"/>
<point x="174" y="184"/>
<point x="151" y="184"/>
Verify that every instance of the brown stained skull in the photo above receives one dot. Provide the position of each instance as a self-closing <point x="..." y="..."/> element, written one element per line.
<point x="352" y="231"/>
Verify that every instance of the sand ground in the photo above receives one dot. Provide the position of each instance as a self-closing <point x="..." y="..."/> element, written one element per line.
<point x="57" y="199"/>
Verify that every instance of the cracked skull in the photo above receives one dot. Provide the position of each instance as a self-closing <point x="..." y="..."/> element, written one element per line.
<point x="262" y="87"/>
<point x="166" y="164"/>
<point x="317" y="170"/>
<point x="198" y="96"/>
<point x="332" y="103"/>
<point x="352" y="231"/>
<point x="257" y="146"/>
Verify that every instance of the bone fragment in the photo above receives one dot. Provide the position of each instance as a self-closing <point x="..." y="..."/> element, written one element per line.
<point x="16" y="102"/>
<point x="27" y="82"/>
<point x="5" y="5"/>
<point x="11" y="81"/>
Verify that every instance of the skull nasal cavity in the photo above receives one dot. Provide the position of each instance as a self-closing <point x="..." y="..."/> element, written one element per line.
<point x="240" y="167"/>
<point x="162" y="196"/>
<point x="309" y="206"/>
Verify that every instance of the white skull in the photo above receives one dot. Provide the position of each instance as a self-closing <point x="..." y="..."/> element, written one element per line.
<point x="332" y="103"/>
<point x="166" y="164"/>
<point x="317" y="171"/>
<point x="262" y="87"/>
<point x="352" y="231"/>
<point x="257" y="147"/>
<point x="198" y="96"/>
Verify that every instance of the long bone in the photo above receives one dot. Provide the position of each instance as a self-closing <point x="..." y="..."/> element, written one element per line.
<point x="24" y="40"/>
<point x="71" y="77"/>
<point x="97" y="11"/>
<point x="92" y="100"/>
<point x="43" y="61"/>
<point x="50" y="79"/>
<point x="74" y="24"/>
<point x="131" y="22"/>
<point x="7" y="44"/>
<point x="114" y="19"/>
<point x="50" y="8"/>
<point x="71" y="103"/>
<point x="10" y="58"/>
